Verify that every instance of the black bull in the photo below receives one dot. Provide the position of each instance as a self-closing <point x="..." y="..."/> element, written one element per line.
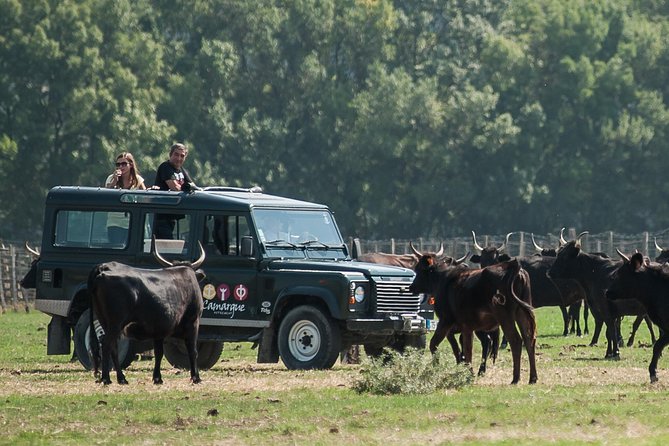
<point x="545" y="292"/>
<point x="145" y="304"/>
<point x="649" y="285"/>
<point x="594" y="274"/>
<point x="481" y="299"/>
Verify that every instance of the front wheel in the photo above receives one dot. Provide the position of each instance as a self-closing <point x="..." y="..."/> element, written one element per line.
<point x="308" y="339"/>
<point x="208" y="353"/>
<point x="82" y="343"/>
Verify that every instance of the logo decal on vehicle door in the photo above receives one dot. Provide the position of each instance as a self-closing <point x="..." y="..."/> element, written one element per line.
<point x="209" y="292"/>
<point x="223" y="292"/>
<point x="241" y="292"/>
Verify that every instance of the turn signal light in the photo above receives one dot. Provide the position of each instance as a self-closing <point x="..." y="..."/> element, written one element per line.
<point x="430" y="300"/>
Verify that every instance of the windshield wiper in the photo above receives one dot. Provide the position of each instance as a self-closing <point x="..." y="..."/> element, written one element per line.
<point x="311" y="242"/>
<point x="280" y="242"/>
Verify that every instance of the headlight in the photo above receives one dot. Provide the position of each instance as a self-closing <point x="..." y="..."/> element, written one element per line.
<point x="359" y="294"/>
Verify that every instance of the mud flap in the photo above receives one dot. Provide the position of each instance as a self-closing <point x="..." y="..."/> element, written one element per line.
<point x="268" y="350"/>
<point x="58" y="337"/>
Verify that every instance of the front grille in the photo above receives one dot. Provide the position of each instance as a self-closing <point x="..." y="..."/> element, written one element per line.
<point x="395" y="297"/>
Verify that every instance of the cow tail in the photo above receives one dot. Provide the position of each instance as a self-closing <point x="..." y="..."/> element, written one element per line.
<point x="93" y="339"/>
<point x="523" y="281"/>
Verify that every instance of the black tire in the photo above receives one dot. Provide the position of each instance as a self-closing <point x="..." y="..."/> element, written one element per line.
<point x="373" y="351"/>
<point x="308" y="339"/>
<point x="208" y="353"/>
<point x="418" y="342"/>
<point x="82" y="344"/>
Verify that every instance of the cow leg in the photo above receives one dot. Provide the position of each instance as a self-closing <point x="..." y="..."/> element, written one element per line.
<point x="635" y="327"/>
<point x="439" y="334"/>
<point x="486" y="347"/>
<point x="510" y="332"/>
<point x="565" y="320"/>
<point x="598" y="329"/>
<point x="157" y="358"/>
<point x="661" y="342"/>
<point x="191" y="346"/>
<point x="612" y="351"/>
<point x="468" y="345"/>
<point x="120" y="376"/>
<point x="586" y="330"/>
<point x="650" y="328"/>
<point x="528" y="331"/>
<point x="455" y="347"/>
<point x="105" y="358"/>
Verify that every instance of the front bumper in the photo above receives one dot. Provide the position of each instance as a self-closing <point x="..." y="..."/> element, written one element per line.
<point x="392" y="324"/>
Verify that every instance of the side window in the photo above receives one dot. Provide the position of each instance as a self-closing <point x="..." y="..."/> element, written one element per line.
<point x="171" y="231"/>
<point x="92" y="229"/>
<point x="223" y="234"/>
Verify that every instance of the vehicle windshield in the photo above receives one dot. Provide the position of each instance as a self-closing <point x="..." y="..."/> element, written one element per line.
<point x="298" y="233"/>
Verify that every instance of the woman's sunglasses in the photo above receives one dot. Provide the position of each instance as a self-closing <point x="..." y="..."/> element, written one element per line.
<point x="121" y="164"/>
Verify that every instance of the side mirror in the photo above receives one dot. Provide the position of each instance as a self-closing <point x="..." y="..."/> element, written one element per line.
<point x="247" y="246"/>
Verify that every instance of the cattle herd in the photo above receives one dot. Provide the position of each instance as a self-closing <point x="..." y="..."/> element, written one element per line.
<point x="503" y="292"/>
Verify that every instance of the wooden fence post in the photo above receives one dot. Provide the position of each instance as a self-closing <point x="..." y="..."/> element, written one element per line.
<point x="3" y="249"/>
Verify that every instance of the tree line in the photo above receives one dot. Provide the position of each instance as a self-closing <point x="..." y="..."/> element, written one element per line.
<point x="422" y="118"/>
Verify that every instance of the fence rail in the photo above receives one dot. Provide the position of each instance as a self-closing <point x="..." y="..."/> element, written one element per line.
<point x="520" y="243"/>
<point x="14" y="264"/>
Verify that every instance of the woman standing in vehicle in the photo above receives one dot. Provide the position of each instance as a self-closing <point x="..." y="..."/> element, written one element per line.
<point x="126" y="175"/>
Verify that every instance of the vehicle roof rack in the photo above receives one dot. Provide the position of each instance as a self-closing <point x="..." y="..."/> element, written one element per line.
<point x="253" y="190"/>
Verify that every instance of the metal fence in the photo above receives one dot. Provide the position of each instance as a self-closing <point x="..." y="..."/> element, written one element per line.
<point x="14" y="264"/>
<point x="520" y="243"/>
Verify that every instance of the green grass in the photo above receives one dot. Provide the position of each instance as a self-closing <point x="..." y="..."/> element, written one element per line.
<point x="580" y="398"/>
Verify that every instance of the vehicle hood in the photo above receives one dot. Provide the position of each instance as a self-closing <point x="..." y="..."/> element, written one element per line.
<point x="371" y="269"/>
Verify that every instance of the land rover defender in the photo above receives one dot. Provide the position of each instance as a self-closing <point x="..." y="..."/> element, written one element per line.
<point x="278" y="273"/>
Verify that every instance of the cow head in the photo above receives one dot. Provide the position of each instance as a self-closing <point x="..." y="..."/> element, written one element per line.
<point x="441" y="259"/>
<point x="566" y="260"/>
<point x="626" y="280"/>
<point x="663" y="257"/>
<point x="547" y="252"/>
<point x="195" y="265"/>
<point x="490" y="255"/>
<point x="425" y="270"/>
<point x="30" y="279"/>
<point x="417" y="254"/>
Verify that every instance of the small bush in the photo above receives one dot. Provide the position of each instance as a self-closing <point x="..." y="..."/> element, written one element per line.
<point x="410" y="373"/>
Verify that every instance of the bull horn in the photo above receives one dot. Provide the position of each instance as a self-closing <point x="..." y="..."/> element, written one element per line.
<point x="196" y="264"/>
<point x="476" y="245"/>
<point x="157" y="255"/>
<point x="578" y="238"/>
<point x="461" y="259"/>
<point x="441" y="250"/>
<point x="30" y="250"/>
<point x="562" y="240"/>
<point x="623" y="256"/>
<point x="537" y="247"/>
<point x="414" y="250"/>
<point x="506" y="240"/>
<point x="658" y="247"/>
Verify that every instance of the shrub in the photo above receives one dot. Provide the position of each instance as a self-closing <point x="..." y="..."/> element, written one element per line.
<point x="412" y="372"/>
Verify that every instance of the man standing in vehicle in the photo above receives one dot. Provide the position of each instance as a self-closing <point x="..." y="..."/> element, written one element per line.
<point x="171" y="176"/>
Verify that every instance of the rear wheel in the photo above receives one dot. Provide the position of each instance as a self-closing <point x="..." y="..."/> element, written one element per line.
<point x="208" y="353"/>
<point x="308" y="339"/>
<point x="82" y="343"/>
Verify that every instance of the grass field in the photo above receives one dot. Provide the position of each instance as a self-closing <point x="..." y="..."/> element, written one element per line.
<point x="580" y="398"/>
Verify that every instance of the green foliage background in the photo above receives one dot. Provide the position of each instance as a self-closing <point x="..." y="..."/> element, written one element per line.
<point x="409" y="118"/>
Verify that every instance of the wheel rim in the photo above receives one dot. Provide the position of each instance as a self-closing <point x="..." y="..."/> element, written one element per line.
<point x="122" y="344"/>
<point x="304" y="340"/>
